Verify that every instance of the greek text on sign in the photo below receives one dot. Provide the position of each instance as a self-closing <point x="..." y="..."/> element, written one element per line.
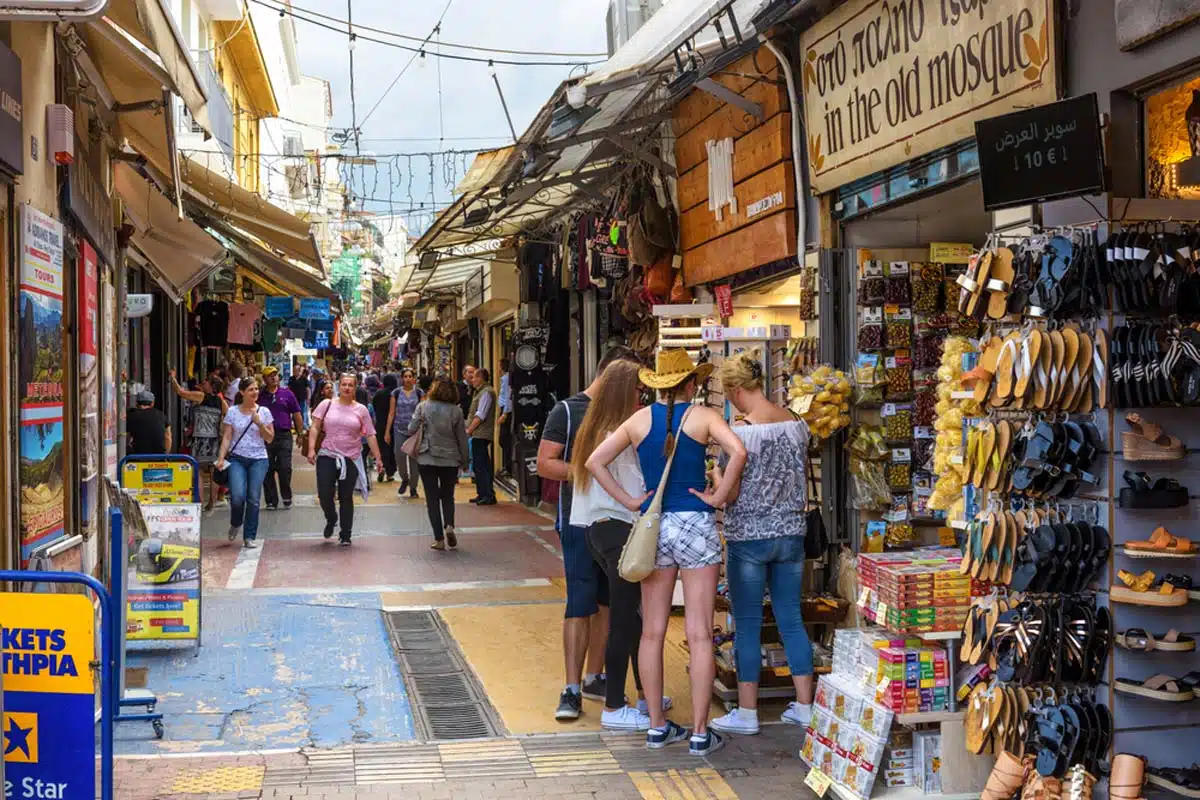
<point x="890" y="80"/>
<point x="766" y="204"/>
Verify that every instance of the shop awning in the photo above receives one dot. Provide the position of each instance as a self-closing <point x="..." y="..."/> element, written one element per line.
<point x="251" y="254"/>
<point x="180" y="252"/>
<point x="221" y="196"/>
<point x="149" y="22"/>
<point x="446" y="276"/>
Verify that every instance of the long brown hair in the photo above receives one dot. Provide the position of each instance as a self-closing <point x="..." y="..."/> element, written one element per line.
<point x="615" y="400"/>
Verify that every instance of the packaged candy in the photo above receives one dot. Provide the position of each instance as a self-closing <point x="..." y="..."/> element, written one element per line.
<point x="871" y="286"/>
<point x="898" y="289"/>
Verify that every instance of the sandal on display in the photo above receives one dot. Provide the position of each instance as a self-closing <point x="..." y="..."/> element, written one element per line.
<point x="1138" y="639"/>
<point x="1161" y="544"/>
<point x="1079" y="784"/>
<point x="1127" y="777"/>
<point x="1181" y="781"/>
<point x="1158" y="687"/>
<point x="1141" y="493"/>
<point x="1144" y="590"/>
<point x="1149" y="442"/>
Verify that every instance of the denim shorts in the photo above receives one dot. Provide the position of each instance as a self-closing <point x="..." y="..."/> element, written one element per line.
<point x="587" y="585"/>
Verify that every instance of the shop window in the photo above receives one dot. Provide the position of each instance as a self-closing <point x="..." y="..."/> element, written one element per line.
<point x="1173" y="141"/>
<point x="947" y="165"/>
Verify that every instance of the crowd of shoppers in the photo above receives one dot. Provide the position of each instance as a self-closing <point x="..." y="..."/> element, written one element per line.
<point x="611" y="456"/>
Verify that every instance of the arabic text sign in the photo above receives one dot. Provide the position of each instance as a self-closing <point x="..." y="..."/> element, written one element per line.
<point x="1041" y="153"/>
<point x="48" y="643"/>
<point x="889" y="81"/>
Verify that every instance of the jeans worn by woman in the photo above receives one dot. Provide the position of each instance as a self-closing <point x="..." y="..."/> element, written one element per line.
<point x="246" y="476"/>
<point x="775" y="564"/>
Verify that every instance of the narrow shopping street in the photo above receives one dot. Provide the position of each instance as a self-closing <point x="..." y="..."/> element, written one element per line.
<point x="389" y="670"/>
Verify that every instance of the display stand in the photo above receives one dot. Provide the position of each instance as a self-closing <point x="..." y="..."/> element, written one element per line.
<point x="125" y="698"/>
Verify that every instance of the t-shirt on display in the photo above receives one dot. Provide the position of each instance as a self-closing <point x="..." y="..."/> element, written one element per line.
<point x="242" y="317"/>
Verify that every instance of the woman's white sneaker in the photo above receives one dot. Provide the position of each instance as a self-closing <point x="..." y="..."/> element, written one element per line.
<point x="737" y="721"/>
<point x="797" y="714"/>
<point x="624" y="718"/>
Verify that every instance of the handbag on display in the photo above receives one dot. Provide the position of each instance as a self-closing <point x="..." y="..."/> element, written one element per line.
<point x="641" y="548"/>
<point x="221" y="476"/>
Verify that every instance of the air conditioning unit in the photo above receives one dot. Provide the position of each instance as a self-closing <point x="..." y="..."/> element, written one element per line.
<point x="292" y="145"/>
<point x="625" y="17"/>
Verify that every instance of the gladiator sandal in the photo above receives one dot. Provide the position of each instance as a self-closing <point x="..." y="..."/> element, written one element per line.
<point x="1127" y="777"/>
<point x="1080" y="783"/>
<point x="1006" y="778"/>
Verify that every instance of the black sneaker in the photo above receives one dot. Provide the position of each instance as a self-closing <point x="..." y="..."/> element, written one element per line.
<point x="403" y="486"/>
<point x="705" y="745"/>
<point x="596" y="688"/>
<point x="328" y="530"/>
<point x="287" y="503"/>
<point x="486" y="501"/>
<point x="658" y="738"/>
<point x="344" y="541"/>
<point x="570" y="706"/>
<point x="272" y="507"/>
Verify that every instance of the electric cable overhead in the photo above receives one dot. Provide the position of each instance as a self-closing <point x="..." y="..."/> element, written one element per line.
<point x="416" y="50"/>
<point x="421" y="52"/>
<point x="276" y="5"/>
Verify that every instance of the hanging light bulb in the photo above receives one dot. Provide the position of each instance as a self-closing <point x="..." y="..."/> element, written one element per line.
<point x="491" y="68"/>
<point x="421" y="63"/>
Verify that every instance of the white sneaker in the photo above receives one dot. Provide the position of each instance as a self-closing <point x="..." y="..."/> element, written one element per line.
<point x="624" y="718"/>
<point x="797" y="714"/>
<point x="645" y="709"/>
<point x="736" y="722"/>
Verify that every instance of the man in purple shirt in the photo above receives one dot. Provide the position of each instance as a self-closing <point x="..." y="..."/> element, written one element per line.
<point x="285" y="408"/>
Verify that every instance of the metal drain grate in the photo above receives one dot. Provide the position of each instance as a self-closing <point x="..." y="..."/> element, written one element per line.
<point x="447" y="701"/>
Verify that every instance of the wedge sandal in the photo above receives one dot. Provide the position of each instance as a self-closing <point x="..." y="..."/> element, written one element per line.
<point x="1149" y="442"/>
<point x="1157" y="687"/>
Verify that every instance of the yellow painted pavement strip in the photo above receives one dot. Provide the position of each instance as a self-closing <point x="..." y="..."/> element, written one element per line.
<point x="688" y="784"/>
<point x="219" y="779"/>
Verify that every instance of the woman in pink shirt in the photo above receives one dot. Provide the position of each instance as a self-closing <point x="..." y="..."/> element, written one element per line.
<point x="343" y="422"/>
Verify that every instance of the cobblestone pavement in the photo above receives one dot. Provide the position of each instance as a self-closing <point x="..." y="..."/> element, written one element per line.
<point x="309" y="679"/>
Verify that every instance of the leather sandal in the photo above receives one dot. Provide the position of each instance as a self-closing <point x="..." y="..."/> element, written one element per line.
<point x="1127" y="777"/>
<point x="1140" y="590"/>
<point x="1180" y="781"/>
<point x="1139" y="640"/>
<point x="1156" y="687"/>
<point x="1161" y="544"/>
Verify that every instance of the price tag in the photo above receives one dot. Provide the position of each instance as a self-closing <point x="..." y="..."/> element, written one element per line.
<point x="889" y="410"/>
<point x="901" y="455"/>
<point x="882" y="686"/>
<point x="881" y="612"/>
<point x="897" y="268"/>
<point x="713" y="333"/>
<point x="956" y="459"/>
<point x="802" y="404"/>
<point x="818" y="781"/>
<point x="864" y="597"/>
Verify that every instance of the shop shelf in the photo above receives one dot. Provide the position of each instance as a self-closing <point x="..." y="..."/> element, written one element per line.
<point x="941" y="636"/>
<point x="924" y="717"/>
<point x="899" y="793"/>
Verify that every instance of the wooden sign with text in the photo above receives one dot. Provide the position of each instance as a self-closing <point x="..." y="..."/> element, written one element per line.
<point x="885" y="82"/>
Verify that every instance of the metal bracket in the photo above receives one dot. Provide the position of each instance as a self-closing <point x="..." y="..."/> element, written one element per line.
<point x="141" y="105"/>
<point x="641" y="153"/>
<point x="725" y="94"/>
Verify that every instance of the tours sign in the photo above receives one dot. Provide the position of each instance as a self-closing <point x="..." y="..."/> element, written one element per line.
<point x="48" y="645"/>
<point x="889" y="80"/>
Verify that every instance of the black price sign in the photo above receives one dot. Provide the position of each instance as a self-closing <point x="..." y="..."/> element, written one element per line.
<point x="1041" y="153"/>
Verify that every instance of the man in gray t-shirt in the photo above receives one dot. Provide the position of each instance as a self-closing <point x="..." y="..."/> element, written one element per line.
<point x="585" y="627"/>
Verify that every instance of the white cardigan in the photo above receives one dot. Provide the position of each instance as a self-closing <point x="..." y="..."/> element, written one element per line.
<point x="593" y="503"/>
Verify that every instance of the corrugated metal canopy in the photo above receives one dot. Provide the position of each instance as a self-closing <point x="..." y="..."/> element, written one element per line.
<point x="446" y="275"/>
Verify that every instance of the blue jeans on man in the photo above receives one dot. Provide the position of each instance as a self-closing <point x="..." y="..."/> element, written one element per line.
<point x="246" y="476"/>
<point x="753" y="566"/>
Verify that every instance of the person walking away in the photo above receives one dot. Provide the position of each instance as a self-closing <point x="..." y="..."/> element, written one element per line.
<point x="608" y="523"/>
<point x="503" y="421"/>
<point x="466" y="391"/>
<point x="481" y="431"/>
<point x="425" y="382"/>
<point x="289" y="424"/>
<point x="381" y="405"/>
<point x="300" y="387"/>
<point x="403" y="405"/>
<point x="343" y="422"/>
<point x="585" y="623"/>
<point x="245" y="433"/>
<point x="441" y="453"/>
<point x="687" y="540"/>
<point x="764" y="535"/>
<point x="147" y="428"/>
<point x="208" y="410"/>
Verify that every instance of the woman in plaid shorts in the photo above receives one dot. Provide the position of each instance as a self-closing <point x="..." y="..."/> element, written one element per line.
<point x="688" y="538"/>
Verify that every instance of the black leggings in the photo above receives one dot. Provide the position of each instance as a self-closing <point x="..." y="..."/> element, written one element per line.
<point x="329" y="485"/>
<point x="605" y="540"/>
<point x="439" y="483"/>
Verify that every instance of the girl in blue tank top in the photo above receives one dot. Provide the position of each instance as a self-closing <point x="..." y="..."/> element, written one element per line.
<point x="688" y="542"/>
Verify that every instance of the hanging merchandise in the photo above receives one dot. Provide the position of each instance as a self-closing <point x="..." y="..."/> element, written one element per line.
<point x="720" y="177"/>
<point x="821" y="397"/>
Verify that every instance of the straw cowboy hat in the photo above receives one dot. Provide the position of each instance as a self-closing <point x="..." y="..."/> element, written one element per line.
<point x="672" y="368"/>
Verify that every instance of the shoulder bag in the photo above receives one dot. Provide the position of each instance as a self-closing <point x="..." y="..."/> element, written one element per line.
<point x="221" y="476"/>
<point x="641" y="548"/>
<point x="816" y="540"/>
<point x="412" y="445"/>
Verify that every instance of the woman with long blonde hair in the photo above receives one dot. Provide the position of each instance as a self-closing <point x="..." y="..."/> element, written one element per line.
<point x="608" y="524"/>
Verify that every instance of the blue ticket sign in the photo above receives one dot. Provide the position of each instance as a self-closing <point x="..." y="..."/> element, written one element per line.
<point x="314" y="308"/>
<point x="47" y="645"/>
<point x="279" y="307"/>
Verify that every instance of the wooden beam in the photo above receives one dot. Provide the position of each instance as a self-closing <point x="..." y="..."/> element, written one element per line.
<point x="767" y="144"/>
<point x="769" y="239"/>
<point x="699" y="225"/>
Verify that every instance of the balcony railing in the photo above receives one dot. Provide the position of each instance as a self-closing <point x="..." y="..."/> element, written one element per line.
<point x="220" y="111"/>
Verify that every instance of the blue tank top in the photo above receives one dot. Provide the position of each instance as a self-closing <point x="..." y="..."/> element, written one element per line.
<point x="687" y="471"/>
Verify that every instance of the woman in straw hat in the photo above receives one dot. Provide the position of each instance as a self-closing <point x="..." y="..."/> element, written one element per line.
<point x="688" y="538"/>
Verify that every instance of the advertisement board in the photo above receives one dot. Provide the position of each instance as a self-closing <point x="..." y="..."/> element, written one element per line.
<point x="40" y="359"/>
<point x="163" y="575"/>
<point x="160" y="481"/>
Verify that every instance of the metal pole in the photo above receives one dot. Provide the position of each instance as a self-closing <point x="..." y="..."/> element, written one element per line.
<point x="503" y="103"/>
